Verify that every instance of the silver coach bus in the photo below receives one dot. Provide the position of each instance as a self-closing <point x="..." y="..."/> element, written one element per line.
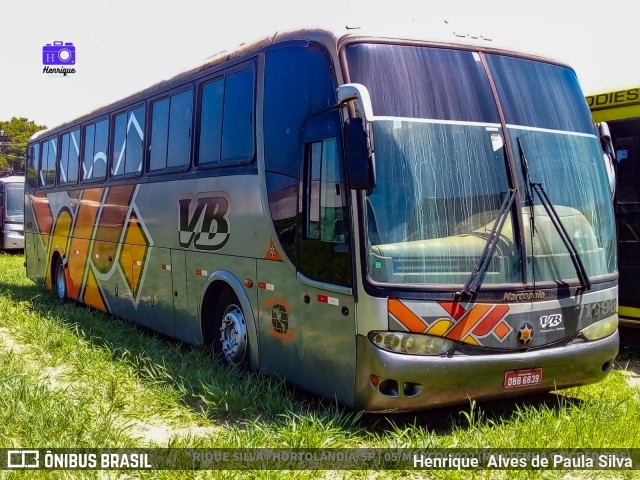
<point x="12" y="212"/>
<point x="392" y="223"/>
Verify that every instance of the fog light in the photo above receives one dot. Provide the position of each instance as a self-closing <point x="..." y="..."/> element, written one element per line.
<point x="410" y="343"/>
<point x="602" y="328"/>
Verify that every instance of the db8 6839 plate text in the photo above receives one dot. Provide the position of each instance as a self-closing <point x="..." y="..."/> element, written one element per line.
<point x="522" y="378"/>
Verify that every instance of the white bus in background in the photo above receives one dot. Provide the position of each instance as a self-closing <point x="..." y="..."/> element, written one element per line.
<point x="12" y="212"/>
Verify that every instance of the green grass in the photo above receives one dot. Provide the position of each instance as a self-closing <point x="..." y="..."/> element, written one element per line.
<point x="75" y="377"/>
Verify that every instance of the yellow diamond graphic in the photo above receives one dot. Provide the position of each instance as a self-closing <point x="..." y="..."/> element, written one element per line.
<point x="133" y="254"/>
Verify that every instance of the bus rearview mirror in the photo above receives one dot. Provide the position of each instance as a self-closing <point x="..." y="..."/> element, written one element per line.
<point x="361" y="170"/>
<point x="609" y="154"/>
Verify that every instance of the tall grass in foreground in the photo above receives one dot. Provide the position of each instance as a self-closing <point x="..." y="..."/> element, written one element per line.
<point x="74" y="377"/>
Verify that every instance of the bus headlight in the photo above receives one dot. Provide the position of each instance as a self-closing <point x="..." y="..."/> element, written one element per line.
<point x="602" y="328"/>
<point x="413" y="344"/>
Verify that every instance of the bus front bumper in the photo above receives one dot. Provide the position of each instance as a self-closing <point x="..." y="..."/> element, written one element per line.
<point x="411" y="382"/>
<point x="12" y="240"/>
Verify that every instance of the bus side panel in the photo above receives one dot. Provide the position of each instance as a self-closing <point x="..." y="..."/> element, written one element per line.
<point x="154" y="296"/>
<point x="31" y="241"/>
<point x="41" y="223"/>
<point x="30" y="254"/>
<point x="186" y="325"/>
<point x="279" y="324"/>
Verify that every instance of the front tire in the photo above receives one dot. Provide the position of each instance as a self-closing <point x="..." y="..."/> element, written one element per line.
<point x="60" y="281"/>
<point x="231" y="339"/>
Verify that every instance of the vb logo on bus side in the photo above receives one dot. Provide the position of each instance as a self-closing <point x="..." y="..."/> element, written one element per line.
<point x="204" y="221"/>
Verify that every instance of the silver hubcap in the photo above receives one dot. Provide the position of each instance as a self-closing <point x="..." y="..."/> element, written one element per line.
<point x="233" y="335"/>
<point x="61" y="286"/>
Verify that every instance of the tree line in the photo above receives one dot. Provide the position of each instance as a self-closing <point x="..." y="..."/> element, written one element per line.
<point x="13" y="143"/>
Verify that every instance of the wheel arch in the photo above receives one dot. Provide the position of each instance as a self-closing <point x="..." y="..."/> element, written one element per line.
<point x="216" y="282"/>
<point x="53" y="262"/>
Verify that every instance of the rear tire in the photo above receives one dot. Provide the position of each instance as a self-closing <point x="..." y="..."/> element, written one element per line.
<point x="230" y="334"/>
<point x="60" y="281"/>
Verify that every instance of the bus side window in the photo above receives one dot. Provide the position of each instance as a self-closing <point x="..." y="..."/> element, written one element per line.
<point x="94" y="163"/>
<point x="324" y="244"/>
<point x="47" y="166"/>
<point x="227" y="126"/>
<point x="171" y="132"/>
<point x="128" y="138"/>
<point x="69" y="153"/>
<point x="326" y="205"/>
<point x="32" y="165"/>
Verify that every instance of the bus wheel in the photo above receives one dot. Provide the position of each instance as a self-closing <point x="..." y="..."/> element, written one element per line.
<point x="231" y="344"/>
<point x="60" y="281"/>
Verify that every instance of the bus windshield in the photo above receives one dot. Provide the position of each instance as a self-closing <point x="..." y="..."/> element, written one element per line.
<point x="442" y="167"/>
<point x="15" y="202"/>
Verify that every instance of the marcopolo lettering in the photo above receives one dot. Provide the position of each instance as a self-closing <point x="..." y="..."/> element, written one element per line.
<point x="203" y="223"/>
<point x="523" y="296"/>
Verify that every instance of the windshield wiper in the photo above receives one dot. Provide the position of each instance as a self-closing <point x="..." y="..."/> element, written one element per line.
<point x="537" y="187"/>
<point x="475" y="279"/>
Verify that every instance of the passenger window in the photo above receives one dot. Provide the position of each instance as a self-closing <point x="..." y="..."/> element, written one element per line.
<point x="48" y="162"/>
<point x="100" y="149"/>
<point x="32" y="165"/>
<point x="159" y="130"/>
<point x="42" y="165"/>
<point x="69" y="154"/>
<point x="211" y="122"/>
<point x="180" y="116"/>
<point x="94" y="162"/>
<point x="74" y="156"/>
<point x="171" y="132"/>
<point x="227" y="119"/>
<point x="237" y="124"/>
<point x="87" y="162"/>
<point x="64" y="158"/>
<point x="119" y="144"/>
<point x="128" y="139"/>
<point x="135" y="138"/>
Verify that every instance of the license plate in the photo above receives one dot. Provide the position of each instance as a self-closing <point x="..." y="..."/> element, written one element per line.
<point x="522" y="378"/>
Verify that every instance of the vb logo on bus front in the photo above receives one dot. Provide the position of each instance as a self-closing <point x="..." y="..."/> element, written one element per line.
<point x="204" y="221"/>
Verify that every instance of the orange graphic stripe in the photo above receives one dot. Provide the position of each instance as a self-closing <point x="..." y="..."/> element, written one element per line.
<point x="92" y="295"/>
<point x="454" y="309"/>
<point x="59" y="240"/>
<point x="110" y="226"/>
<point x="491" y="320"/>
<point x="405" y="316"/>
<point x="79" y="249"/>
<point x="44" y="217"/>
<point x="468" y="322"/>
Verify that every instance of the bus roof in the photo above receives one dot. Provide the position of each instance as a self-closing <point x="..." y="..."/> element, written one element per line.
<point x="440" y="33"/>
<point x="12" y="179"/>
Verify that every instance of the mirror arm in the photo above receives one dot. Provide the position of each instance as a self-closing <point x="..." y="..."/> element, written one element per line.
<point x="359" y="94"/>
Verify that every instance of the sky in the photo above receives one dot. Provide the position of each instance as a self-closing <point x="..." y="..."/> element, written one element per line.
<point x="123" y="46"/>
